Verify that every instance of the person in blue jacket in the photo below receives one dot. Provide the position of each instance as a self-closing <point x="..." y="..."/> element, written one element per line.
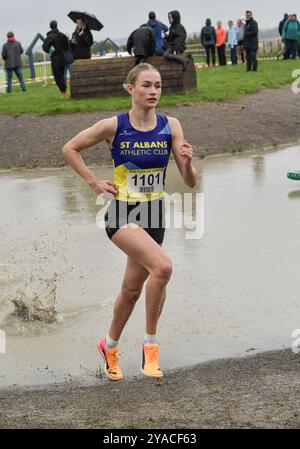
<point x="159" y="28"/>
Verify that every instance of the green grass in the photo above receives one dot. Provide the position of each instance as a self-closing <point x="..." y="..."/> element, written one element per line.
<point x="214" y="84"/>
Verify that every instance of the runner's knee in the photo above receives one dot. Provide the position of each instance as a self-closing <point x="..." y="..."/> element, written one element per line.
<point x="131" y="293"/>
<point x="163" y="270"/>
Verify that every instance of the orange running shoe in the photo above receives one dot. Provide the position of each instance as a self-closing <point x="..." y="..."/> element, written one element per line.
<point x="111" y="358"/>
<point x="150" y="366"/>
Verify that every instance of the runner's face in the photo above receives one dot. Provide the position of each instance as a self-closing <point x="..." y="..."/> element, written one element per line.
<point x="147" y="89"/>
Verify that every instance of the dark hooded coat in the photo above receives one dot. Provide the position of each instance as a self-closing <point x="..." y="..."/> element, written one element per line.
<point x="142" y="41"/>
<point x="177" y="34"/>
<point x="208" y="34"/>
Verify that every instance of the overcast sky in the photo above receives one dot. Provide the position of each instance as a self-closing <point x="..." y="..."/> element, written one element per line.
<point x="120" y="17"/>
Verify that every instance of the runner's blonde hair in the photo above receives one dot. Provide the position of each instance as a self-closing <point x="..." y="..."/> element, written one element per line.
<point x="135" y="72"/>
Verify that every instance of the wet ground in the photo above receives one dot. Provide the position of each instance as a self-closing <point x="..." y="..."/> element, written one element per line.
<point x="261" y="391"/>
<point x="233" y="292"/>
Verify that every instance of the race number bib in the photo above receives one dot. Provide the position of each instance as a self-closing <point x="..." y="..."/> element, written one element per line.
<point x="146" y="181"/>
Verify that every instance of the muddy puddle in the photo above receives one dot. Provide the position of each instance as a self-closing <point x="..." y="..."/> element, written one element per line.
<point x="235" y="291"/>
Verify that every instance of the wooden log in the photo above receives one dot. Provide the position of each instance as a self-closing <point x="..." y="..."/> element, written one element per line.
<point x="97" y="88"/>
<point x="105" y="77"/>
<point x="106" y="84"/>
<point x="119" y="70"/>
<point x="118" y="80"/>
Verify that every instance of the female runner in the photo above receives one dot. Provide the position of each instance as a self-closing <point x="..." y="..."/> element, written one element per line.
<point x="140" y="142"/>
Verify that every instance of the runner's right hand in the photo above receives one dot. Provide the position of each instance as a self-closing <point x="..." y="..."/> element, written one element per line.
<point x="105" y="187"/>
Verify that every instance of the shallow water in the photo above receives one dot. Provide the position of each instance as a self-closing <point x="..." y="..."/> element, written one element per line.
<point x="233" y="292"/>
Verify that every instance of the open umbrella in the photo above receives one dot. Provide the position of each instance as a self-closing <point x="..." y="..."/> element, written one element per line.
<point x="91" y="20"/>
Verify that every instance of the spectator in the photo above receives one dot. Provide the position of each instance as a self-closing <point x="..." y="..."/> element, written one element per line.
<point x="208" y="40"/>
<point x="174" y="43"/>
<point x="291" y="31"/>
<point x="142" y="41"/>
<point x="56" y="44"/>
<point x="280" y="31"/>
<point x="221" y="43"/>
<point x="69" y="59"/>
<point x="240" y="30"/>
<point x="232" y="42"/>
<point x="159" y="30"/>
<point x="81" y="41"/>
<point x="281" y="24"/>
<point x="11" y="54"/>
<point x="251" y="42"/>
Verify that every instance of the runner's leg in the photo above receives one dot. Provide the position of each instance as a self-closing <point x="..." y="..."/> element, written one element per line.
<point x="136" y="243"/>
<point x="132" y="285"/>
<point x="162" y="301"/>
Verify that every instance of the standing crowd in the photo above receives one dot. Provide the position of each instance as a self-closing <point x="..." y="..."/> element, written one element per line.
<point x="154" y="37"/>
<point x="241" y="39"/>
<point x="289" y="30"/>
<point x="62" y="51"/>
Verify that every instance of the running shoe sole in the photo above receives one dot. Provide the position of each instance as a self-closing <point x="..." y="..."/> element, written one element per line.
<point x="150" y="375"/>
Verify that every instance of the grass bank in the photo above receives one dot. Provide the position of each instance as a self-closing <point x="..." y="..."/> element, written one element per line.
<point x="214" y="84"/>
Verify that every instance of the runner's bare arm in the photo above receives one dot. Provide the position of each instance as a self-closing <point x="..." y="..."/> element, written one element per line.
<point x="183" y="153"/>
<point x="102" y="130"/>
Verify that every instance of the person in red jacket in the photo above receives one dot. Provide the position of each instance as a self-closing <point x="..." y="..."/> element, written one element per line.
<point x="221" y="43"/>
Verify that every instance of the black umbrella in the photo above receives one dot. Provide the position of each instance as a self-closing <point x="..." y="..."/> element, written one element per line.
<point x="91" y="20"/>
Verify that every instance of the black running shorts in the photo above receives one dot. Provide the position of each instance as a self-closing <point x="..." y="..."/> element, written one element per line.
<point x="149" y="215"/>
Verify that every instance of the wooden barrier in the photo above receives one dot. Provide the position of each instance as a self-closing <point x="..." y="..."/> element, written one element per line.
<point x="105" y="77"/>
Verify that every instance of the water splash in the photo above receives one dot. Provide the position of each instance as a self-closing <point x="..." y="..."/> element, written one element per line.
<point x="27" y="307"/>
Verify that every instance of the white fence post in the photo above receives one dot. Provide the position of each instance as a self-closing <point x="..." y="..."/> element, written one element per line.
<point x="42" y="70"/>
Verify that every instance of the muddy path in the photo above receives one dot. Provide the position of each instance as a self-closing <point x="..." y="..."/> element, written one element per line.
<point x="267" y="118"/>
<point x="260" y="391"/>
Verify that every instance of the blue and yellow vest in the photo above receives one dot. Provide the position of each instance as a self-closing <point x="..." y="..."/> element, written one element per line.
<point x="140" y="159"/>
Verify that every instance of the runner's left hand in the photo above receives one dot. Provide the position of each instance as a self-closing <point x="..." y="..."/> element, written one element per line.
<point x="186" y="152"/>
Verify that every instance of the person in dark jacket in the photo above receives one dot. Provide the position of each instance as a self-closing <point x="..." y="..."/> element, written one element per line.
<point x="159" y="29"/>
<point x="81" y="41"/>
<point x="56" y="44"/>
<point x="208" y="40"/>
<point x="142" y="42"/>
<point x="289" y="17"/>
<point x="251" y="42"/>
<point x="69" y="59"/>
<point x="174" y="43"/>
<point x="281" y="24"/>
<point x="11" y="54"/>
